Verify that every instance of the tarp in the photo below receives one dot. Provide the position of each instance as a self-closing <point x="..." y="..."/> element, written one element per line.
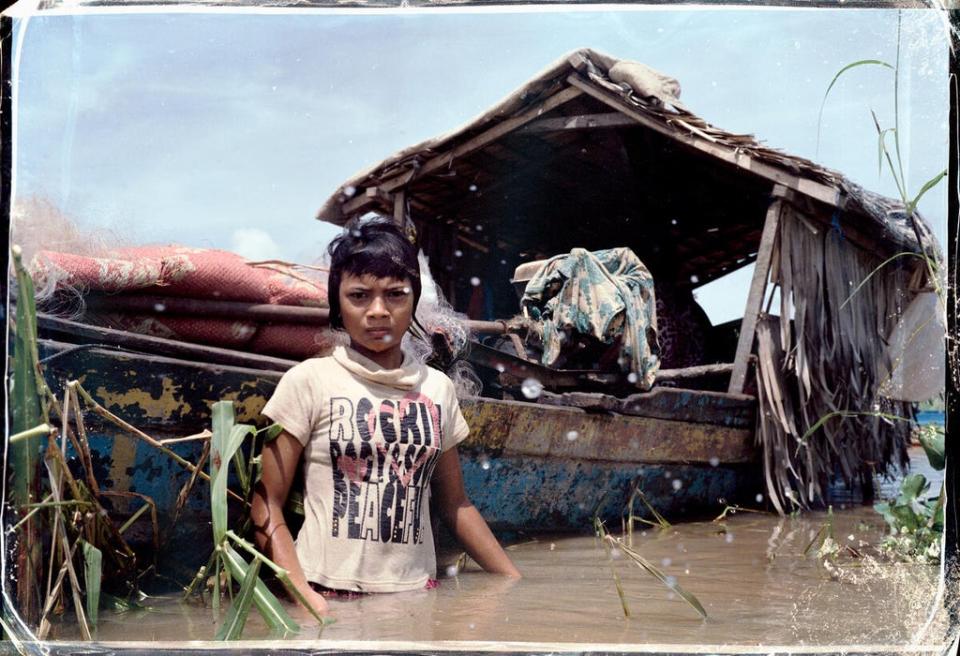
<point x="606" y="294"/>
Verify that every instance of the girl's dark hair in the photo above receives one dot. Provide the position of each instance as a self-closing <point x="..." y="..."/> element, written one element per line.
<point x="376" y="246"/>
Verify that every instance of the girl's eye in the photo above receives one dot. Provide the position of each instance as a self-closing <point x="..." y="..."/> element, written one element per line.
<point x="398" y="293"/>
<point x="357" y="296"/>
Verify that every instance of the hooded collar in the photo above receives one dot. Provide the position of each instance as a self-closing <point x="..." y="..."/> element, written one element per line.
<point x="410" y="373"/>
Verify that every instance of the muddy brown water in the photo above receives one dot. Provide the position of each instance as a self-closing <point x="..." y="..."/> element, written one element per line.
<point x="749" y="572"/>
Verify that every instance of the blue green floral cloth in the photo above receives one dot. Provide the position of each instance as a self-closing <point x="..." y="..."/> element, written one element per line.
<point x="605" y="294"/>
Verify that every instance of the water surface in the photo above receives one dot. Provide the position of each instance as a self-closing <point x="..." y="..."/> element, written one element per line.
<point x="749" y="572"/>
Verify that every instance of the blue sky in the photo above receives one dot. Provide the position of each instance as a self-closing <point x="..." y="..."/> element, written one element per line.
<point x="229" y="130"/>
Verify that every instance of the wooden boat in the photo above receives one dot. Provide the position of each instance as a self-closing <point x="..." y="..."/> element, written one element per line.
<point x="529" y="467"/>
<point x="692" y="443"/>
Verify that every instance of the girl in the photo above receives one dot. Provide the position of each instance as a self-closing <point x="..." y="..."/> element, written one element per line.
<point x="377" y="430"/>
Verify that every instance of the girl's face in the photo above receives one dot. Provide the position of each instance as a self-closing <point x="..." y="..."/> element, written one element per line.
<point x="376" y="312"/>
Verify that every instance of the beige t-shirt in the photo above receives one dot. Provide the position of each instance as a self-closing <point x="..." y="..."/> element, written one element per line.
<point x="371" y="439"/>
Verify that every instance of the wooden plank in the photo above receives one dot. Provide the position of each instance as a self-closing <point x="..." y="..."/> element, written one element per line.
<point x="362" y="201"/>
<point x="758" y="287"/>
<point x="400" y="208"/>
<point x="177" y="306"/>
<point x="517" y="428"/>
<point x="823" y="193"/>
<point x="673" y="403"/>
<point x="579" y="122"/>
<point x="159" y="345"/>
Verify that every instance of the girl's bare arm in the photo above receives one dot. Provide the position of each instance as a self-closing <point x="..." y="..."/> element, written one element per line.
<point x="464" y="520"/>
<point x="280" y="459"/>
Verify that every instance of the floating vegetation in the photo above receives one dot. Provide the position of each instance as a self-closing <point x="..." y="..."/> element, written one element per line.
<point x="611" y="544"/>
<point x="630" y="519"/>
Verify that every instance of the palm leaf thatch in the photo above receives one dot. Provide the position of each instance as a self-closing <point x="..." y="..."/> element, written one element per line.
<point x="819" y="373"/>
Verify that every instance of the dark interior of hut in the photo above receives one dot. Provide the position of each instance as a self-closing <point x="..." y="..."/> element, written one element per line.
<point x="544" y="189"/>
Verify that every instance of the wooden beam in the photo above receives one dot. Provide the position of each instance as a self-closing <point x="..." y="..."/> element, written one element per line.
<point x="161" y="346"/>
<point x="823" y="193"/>
<point x="758" y="287"/>
<point x="400" y="208"/>
<point x="580" y="122"/>
<point x="360" y="203"/>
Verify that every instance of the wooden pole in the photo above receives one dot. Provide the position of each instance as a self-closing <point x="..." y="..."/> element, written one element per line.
<point x="758" y="287"/>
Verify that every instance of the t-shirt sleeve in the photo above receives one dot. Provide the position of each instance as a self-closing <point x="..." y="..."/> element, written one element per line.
<point x="293" y="405"/>
<point x="457" y="427"/>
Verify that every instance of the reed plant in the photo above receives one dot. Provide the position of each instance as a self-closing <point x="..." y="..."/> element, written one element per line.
<point x="84" y="547"/>
<point x="225" y="449"/>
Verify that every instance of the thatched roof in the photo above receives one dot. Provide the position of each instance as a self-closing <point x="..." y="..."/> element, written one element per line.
<point x="599" y="152"/>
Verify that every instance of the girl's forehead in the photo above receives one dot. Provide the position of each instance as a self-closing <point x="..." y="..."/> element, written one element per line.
<point x="370" y="280"/>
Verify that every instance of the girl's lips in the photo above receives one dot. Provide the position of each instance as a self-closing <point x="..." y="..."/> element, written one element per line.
<point x="378" y="332"/>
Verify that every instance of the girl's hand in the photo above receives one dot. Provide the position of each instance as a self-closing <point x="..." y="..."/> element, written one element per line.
<point x="318" y="602"/>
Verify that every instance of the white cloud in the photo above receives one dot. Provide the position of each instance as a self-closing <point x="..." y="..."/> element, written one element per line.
<point x="254" y="244"/>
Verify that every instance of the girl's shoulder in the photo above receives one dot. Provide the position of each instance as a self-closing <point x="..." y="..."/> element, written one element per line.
<point x="438" y="380"/>
<point x="311" y="367"/>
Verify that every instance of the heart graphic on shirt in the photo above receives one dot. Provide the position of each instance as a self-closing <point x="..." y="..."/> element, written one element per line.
<point x="408" y="476"/>
<point x="354" y="468"/>
<point x="401" y="409"/>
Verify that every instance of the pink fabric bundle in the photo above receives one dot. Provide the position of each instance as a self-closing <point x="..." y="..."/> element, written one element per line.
<point x="207" y="274"/>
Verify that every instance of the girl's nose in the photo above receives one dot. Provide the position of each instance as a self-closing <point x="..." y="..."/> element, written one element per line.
<point x="377" y="307"/>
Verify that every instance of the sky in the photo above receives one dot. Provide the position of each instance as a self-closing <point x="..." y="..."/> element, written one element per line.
<point x="230" y="130"/>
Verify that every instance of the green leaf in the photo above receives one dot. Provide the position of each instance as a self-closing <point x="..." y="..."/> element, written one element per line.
<point x="933" y="445"/>
<point x="862" y="62"/>
<point x="911" y="488"/>
<point x="886" y="512"/>
<point x="268" y="605"/>
<point x="92" y="571"/>
<point x="232" y="626"/>
<point x="905" y="517"/>
<point x="270" y="432"/>
<point x="930" y="184"/>
<point x="227" y="438"/>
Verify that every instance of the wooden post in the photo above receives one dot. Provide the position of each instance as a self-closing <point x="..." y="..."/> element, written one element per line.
<point x="400" y="208"/>
<point x="758" y="287"/>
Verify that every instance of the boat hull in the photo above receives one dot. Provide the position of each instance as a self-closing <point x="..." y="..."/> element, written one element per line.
<point x="528" y="467"/>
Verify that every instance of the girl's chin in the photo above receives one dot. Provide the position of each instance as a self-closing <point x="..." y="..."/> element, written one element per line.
<point x="377" y="345"/>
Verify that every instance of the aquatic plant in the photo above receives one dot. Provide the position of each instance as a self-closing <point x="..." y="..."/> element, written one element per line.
<point x="84" y="548"/>
<point x="915" y="518"/>
<point x="225" y="448"/>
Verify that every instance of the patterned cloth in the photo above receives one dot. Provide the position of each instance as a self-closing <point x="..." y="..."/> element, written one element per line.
<point x="606" y="294"/>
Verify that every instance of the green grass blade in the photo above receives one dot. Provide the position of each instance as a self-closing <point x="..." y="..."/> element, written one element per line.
<point x="646" y="565"/>
<point x="881" y="148"/>
<point x="92" y="572"/>
<point x="862" y="62"/>
<point x="269" y="606"/>
<point x="875" y="270"/>
<point x="232" y="626"/>
<point x="601" y="532"/>
<point x="930" y="184"/>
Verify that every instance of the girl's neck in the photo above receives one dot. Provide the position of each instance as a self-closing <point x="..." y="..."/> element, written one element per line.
<point x="390" y="358"/>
